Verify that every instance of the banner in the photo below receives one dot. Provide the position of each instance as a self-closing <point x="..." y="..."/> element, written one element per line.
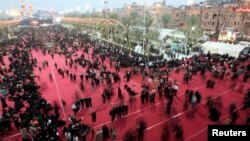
<point x="243" y="9"/>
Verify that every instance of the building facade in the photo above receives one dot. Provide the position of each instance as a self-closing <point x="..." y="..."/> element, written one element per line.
<point x="212" y="18"/>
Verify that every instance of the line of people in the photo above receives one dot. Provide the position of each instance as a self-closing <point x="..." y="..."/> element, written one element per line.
<point x="118" y="111"/>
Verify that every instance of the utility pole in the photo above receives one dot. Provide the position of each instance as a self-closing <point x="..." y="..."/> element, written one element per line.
<point x="144" y="28"/>
<point x="217" y="30"/>
<point x="244" y="14"/>
<point x="201" y="16"/>
<point x="105" y="7"/>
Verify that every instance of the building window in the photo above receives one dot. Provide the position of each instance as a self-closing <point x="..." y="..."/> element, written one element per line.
<point x="206" y="16"/>
<point x="248" y="17"/>
<point x="242" y="16"/>
<point x="221" y="16"/>
<point x="214" y="16"/>
<point x="232" y="16"/>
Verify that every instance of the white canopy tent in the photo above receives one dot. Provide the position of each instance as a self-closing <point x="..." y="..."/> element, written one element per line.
<point x="176" y="34"/>
<point x="222" y="48"/>
<point x="171" y="33"/>
<point x="164" y="32"/>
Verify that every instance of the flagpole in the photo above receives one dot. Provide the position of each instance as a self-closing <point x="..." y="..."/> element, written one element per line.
<point x="144" y="15"/>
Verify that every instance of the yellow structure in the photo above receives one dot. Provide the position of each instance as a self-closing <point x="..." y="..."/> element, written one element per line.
<point x="14" y="12"/>
<point x="30" y="9"/>
<point x="23" y="8"/>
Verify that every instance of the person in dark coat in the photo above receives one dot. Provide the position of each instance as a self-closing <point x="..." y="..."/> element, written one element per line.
<point x="178" y="131"/>
<point x="105" y="130"/>
<point x="141" y="127"/>
<point x="93" y="116"/>
<point x="120" y="93"/>
<point x="112" y="114"/>
<point x="214" y="114"/>
<point x="233" y="113"/>
<point x="198" y="96"/>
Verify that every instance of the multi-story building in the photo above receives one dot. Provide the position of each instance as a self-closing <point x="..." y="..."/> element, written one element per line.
<point x="216" y="18"/>
<point x="214" y="2"/>
<point x="242" y="2"/>
<point x="212" y="18"/>
<point x="221" y="2"/>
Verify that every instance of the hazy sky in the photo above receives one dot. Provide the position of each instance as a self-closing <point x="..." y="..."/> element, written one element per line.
<point x="60" y="5"/>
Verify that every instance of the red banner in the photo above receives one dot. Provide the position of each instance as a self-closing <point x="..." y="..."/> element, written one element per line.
<point x="243" y="9"/>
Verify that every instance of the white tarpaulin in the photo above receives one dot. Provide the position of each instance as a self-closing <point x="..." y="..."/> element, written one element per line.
<point x="222" y="48"/>
<point x="139" y="49"/>
<point x="171" y="33"/>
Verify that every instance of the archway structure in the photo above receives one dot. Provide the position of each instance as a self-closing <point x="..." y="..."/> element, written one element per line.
<point x="8" y="23"/>
<point x="94" y="21"/>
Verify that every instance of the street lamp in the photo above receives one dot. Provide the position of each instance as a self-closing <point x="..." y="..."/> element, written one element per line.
<point x="188" y="38"/>
<point x="99" y="10"/>
<point x="158" y="6"/>
<point x="87" y="6"/>
<point x="105" y="7"/>
<point x="190" y="2"/>
<point x="129" y="7"/>
<point x="78" y="8"/>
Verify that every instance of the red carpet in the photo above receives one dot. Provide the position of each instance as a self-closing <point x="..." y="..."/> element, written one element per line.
<point x="195" y="129"/>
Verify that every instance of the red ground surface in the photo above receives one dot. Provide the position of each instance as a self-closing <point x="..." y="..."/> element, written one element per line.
<point x="195" y="129"/>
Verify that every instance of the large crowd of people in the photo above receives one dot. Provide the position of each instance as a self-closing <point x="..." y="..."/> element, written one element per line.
<point x="39" y="119"/>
